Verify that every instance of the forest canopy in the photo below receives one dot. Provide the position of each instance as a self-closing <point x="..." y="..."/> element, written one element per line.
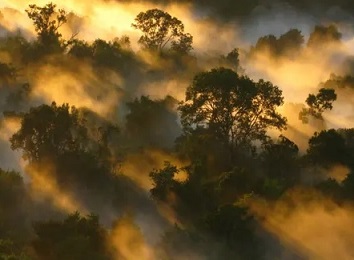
<point x="186" y="130"/>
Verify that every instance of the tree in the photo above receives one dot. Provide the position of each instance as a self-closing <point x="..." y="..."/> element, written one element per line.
<point x="332" y="147"/>
<point x="291" y="42"/>
<point x="280" y="164"/>
<point x="77" y="150"/>
<point x="111" y="55"/>
<point x="232" y="59"/>
<point x="235" y="108"/>
<point x="324" y="35"/>
<point x="163" y="181"/>
<point x="81" y="49"/>
<point x="152" y="122"/>
<point x="47" y="131"/>
<point x="47" y="20"/>
<point x="267" y="43"/>
<point x="328" y="148"/>
<point x="287" y="44"/>
<point x="76" y="237"/>
<point x="16" y="46"/>
<point x="160" y="30"/>
<point x="234" y="227"/>
<point x="338" y="82"/>
<point x="317" y="104"/>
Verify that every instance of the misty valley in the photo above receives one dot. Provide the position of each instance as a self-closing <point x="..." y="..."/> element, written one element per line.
<point x="176" y="130"/>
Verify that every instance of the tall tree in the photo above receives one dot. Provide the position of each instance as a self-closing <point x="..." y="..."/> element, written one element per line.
<point x="49" y="131"/>
<point x="47" y="20"/>
<point x="233" y="107"/>
<point x="161" y="30"/>
<point x="317" y="104"/>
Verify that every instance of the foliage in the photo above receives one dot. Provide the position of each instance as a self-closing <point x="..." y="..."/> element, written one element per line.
<point x="328" y="147"/>
<point x="76" y="237"/>
<point x="163" y="181"/>
<point x="280" y="159"/>
<point x="161" y="30"/>
<point x="235" y="108"/>
<point x="232" y="226"/>
<point x="115" y="55"/>
<point x="47" y="20"/>
<point x="232" y="156"/>
<point x="338" y="82"/>
<point x="49" y="131"/>
<point x="152" y="122"/>
<point x="323" y="36"/>
<point x="317" y="104"/>
<point x="288" y="44"/>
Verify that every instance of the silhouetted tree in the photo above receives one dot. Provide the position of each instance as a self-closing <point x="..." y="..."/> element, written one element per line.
<point x="235" y="108"/>
<point x="47" y="20"/>
<point x="161" y="30"/>
<point x="338" y="82"/>
<point x="48" y="131"/>
<point x="324" y="35"/>
<point x="288" y="44"/>
<point x="317" y="104"/>
<point x="328" y="148"/>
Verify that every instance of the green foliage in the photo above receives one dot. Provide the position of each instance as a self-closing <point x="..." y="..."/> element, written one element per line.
<point x="76" y="237"/>
<point x="161" y="30"/>
<point x="317" y="104"/>
<point x="235" y="108"/>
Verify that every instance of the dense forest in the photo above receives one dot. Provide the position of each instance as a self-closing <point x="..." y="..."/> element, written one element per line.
<point x="176" y="130"/>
